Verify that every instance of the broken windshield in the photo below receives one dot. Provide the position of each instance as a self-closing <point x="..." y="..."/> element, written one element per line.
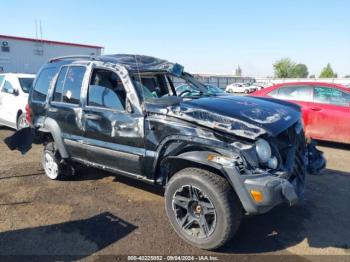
<point x="155" y="85"/>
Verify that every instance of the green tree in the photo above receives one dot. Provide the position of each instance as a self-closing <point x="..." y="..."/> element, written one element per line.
<point x="299" y="71"/>
<point x="283" y="68"/>
<point x="327" y="72"/>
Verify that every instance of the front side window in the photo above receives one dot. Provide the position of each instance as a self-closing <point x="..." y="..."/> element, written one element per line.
<point x="106" y="90"/>
<point x="26" y="83"/>
<point x="68" y="85"/>
<point x="333" y="96"/>
<point x="43" y="83"/>
<point x="296" y="93"/>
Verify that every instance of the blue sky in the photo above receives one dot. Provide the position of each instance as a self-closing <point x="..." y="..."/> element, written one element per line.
<point x="205" y="36"/>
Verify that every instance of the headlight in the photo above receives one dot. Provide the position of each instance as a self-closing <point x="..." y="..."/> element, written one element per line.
<point x="272" y="162"/>
<point x="263" y="150"/>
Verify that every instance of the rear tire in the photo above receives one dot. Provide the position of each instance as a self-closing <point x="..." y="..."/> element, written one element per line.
<point x="53" y="166"/>
<point x="211" y="217"/>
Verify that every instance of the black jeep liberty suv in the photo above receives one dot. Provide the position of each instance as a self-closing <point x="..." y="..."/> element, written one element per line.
<point x="218" y="156"/>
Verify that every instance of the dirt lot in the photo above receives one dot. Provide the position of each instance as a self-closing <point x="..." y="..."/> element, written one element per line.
<point x="99" y="213"/>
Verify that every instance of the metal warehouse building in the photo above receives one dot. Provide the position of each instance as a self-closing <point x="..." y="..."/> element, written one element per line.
<point x="27" y="55"/>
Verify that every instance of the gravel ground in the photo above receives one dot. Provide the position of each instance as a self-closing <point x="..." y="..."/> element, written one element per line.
<point x="98" y="213"/>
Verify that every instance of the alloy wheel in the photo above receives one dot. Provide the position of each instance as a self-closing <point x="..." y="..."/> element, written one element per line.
<point x="194" y="211"/>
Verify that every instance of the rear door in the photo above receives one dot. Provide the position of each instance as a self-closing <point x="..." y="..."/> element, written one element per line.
<point x="114" y="132"/>
<point x="330" y="114"/>
<point x="65" y="107"/>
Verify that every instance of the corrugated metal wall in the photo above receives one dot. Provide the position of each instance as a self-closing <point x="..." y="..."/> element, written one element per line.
<point x="28" y="57"/>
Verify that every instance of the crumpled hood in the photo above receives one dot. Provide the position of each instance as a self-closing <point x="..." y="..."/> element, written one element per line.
<point x="240" y="115"/>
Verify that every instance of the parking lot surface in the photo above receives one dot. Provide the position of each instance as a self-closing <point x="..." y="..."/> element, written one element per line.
<point x="98" y="213"/>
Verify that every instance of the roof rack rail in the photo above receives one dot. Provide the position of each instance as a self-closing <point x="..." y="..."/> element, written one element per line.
<point x="91" y="57"/>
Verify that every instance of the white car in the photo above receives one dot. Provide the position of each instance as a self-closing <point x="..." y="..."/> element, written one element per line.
<point x="14" y="89"/>
<point x="240" y="88"/>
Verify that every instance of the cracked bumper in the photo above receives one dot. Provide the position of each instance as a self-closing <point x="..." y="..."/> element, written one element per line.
<point x="275" y="190"/>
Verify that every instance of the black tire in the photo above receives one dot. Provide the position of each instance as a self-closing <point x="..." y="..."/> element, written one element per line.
<point x="54" y="168"/>
<point x="246" y="91"/>
<point x="212" y="189"/>
<point x="20" y="120"/>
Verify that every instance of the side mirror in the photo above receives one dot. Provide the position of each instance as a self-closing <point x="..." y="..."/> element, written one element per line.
<point x="12" y="91"/>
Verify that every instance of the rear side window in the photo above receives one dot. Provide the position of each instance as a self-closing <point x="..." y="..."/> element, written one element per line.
<point x="26" y="83"/>
<point x="68" y="85"/>
<point x="57" y="96"/>
<point x="333" y="96"/>
<point x="296" y="93"/>
<point x="43" y="83"/>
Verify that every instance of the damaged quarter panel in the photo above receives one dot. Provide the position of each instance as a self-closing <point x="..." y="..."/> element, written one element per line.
<point x="167" y="136"/>
<point x="235" y="118"/>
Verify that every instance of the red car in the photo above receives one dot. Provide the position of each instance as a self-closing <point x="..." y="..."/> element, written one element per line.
<point x="325" y="107"/>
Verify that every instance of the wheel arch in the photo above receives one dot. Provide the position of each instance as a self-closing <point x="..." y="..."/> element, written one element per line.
<point x="19" y="112"/>
<point x="196" y="159"/>
<point x="51" y="127"/>
<point x="175" y="151"/>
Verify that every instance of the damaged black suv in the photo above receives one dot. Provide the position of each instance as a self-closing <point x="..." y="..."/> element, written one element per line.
<point x="218" y="156"/>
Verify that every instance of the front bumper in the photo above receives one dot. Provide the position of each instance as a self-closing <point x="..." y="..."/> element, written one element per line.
<point x="275" y="191"/>
<point x="275" y="188"/>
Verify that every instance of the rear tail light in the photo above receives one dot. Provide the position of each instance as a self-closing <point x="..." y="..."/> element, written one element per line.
<point x="28" y="116"/>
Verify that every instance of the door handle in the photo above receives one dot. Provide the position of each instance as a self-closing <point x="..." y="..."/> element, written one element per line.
<point x="92" y="117"/>
<point x="316" y="109"/>
<point x="52" y="109"/>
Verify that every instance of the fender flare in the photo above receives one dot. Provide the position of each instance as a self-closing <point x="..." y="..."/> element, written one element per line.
<point x="52" y="127"/>
<point x="216" y="145"/>
<point x="172" y="164"/>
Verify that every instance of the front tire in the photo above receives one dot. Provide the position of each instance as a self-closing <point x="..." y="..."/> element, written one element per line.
<point x="202" y="208"/>
<point x="53" y="166"/>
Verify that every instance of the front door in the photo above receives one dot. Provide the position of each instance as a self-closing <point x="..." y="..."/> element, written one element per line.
<point x="8" y="103"/>
<point x="114" y="135"/>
